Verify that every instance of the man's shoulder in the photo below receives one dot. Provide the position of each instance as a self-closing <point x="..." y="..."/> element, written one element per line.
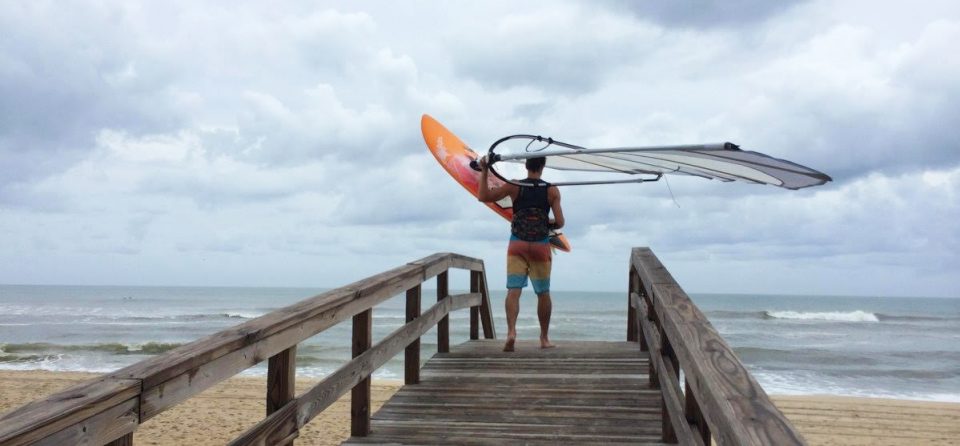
<point x="553" y="191"/>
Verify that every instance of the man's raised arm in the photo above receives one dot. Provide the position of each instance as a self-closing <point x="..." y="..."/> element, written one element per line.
<point x="484" y="193"/>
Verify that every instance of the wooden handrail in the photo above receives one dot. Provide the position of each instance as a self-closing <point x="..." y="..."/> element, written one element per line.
<point x="723" y="402"/>
<point x="108" y="409"/>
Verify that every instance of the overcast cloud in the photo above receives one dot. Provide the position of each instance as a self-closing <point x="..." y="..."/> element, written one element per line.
<point x="195" y="143"/>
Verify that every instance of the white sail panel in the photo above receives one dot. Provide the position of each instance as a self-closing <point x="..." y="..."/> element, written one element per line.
<point x="725" y="162"/>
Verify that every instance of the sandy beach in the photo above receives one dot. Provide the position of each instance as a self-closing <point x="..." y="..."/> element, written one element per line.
<point x="214" y="417"/>
<point x="223" y="412"/>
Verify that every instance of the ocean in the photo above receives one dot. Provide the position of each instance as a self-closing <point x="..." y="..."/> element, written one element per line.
<point x="895" y="347"/>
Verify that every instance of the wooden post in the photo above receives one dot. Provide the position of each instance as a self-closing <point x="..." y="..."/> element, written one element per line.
<point x="475" y="310"/>
<point x="486" y="314"/>
<point x="126" y="440"/>
<point x="281" y="379"/>
<point x="360" y="396"/>
<point x="694" y="415"/>
<point x="669" y="435"/>
<point x="411" y="355"/>
<point x="666" y="350"/>
<point x="652" y="319"/>
<point x="644" y="300"/>
<point x="632" y="326"/>
<point x="443" y="327"/>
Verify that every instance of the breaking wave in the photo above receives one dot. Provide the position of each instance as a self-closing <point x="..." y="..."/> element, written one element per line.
<point x="837" y="316"/>
<point x="115" y="348"/>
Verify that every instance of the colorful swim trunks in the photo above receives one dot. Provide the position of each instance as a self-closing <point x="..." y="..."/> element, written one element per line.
<point x="529" y="259"/>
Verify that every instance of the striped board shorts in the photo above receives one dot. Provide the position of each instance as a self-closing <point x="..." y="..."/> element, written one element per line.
<point x="529" y="259"/>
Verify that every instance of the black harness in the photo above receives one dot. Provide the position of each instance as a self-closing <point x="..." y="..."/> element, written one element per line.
<point x="531" y="221"/>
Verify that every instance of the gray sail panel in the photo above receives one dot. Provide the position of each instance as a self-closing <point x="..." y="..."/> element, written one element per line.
<point x="716" y="162"/>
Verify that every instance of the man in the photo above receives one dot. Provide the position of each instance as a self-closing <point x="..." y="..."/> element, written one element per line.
<point x="528" y="254"/>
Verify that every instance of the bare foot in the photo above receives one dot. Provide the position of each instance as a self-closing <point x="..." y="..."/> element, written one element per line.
<point x="545" y="343"/>
<point x="508" y="347"/>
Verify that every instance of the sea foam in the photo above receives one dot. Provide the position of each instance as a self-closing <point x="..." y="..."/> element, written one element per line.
<point x="838" y="316"/>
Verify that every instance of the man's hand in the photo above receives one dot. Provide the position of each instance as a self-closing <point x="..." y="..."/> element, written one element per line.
<point x="483" y="163"/>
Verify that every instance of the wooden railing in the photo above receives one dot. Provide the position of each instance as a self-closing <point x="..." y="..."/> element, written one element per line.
<point x="721" y="400"/>
<point x="108" y="409"/>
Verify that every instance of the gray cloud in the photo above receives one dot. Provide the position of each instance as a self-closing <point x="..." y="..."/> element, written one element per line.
<point x="704" y="13"/>
<point x="561" y="48"/>
<point x="192" y="144"/>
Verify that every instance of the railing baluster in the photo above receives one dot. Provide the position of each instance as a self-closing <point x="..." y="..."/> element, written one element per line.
<point x="281" y="379"/>
<point x="443" y="327"/>
<point x="632" y="326"/>
<point x="643" y="301"/>
<point x="126" y="440"/>
<point x="360" y="396"/>
<point x="486" y="315"/>
<point x="652" y="318"/>
<point x="474" y="311"/>
<point x="694" y="415"/>
<point x="411" y="355"/>
<point x="666" y="350"/>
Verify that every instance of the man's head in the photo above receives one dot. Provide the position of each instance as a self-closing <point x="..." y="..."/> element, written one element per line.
<point x="536" y="164"/>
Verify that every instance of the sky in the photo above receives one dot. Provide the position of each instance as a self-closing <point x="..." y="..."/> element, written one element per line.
<point x="278" y="143"/>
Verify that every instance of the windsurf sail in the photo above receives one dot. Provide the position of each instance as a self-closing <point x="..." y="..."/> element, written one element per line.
<point x="720" y="161"/>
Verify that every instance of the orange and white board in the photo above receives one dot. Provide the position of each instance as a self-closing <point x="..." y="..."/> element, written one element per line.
<point x="455" y="157"/>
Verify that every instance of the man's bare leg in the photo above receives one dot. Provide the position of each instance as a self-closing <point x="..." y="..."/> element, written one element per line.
<point x="513" y="310"/>
<point x="544" y="308"/>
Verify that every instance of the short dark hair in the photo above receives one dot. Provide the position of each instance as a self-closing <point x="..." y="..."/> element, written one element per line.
<point x="536" y="164"/>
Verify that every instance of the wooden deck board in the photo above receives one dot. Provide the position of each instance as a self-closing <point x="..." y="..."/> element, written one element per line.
<point x="580" y="392"/>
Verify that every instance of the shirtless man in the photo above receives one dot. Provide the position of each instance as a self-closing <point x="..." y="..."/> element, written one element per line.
<point x="528" y="254"/>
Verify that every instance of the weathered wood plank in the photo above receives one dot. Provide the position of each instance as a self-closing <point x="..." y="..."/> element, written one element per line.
<point x="167" y="394"/>
<point x="360" y="395"/>
<point x="126" y="440"/>
<point x="669" y="386"/>
<point x="464" y="262"/>
<point x="433" y="264"/>
<point x="559" y="434"/>
<point x="112" y="426"/>
<point x="443" y="327"/>
<point x="42" y="418"/>
<point x="531" y="349"/>
<point x="651" y="272"/>
<point x="562" y="357"/>
<point x="632" y="304"/>
<point x="493" y="428"/>
<point x="737" y="409"/>
<point x="308" y="405"/>
<point x="281" y="379"/>
<point x="543" y="398"/>
<point x="165" y="380"/>
<point x="473" y="396"/>
<point x="469" y="439"/>
<point x="375" y="288"/>
<point x="181" y="360"/>
<point x="486" y="311"/>
<point x="534" y="391"/>
<point x="476" y="412"/>
<point x="539" y="366"/>
<point x="475" y="311"/>
<point x="411" y="355"/>
<point x="695" y="415"/>
<point x="333" y="386"/>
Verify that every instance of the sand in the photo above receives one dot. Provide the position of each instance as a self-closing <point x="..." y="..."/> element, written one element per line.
<point x="836" y="420"/>
<point x="226" y="410"/>
<point x="213" y="417"/>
